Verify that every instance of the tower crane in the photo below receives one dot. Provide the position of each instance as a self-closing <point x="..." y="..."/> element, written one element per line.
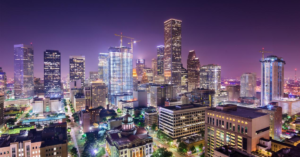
<point x="122" y="36"/>
<point x="132" y="42"/>
<point x="262" y="51"/>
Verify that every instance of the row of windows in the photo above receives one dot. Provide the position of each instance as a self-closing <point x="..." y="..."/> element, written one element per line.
<point x="230" y="126"/>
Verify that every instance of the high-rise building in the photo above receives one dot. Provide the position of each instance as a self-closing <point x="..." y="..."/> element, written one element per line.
<point x="172" y="54"/>
<point x="103" y="67"/>
<point x="210" y="77"/>
<point x="77" y="68"/>
<point x="160" y="93"/>
<point x="248" y="85"/>
<point x="98" y="95"/>
<point x="160" y="59"/>
<point x="2" y="97"/>
<point x="154" y="66"/>
<point x="140" y="65"/>
<point x="184" y="79"/>
<point x="236" y="126"/>
<point x="193" y="68"/>
<point x="149" y="74"/>
<point x="94" y="75"/>
<point x="2" y="82"/>
<point x="23" y="71"/>
<point x="272" y="79"/>
<point x="233" y="92"/>
<point x="135" y="79"/>
<point x="52" y="74"/>
<point x="120" y="84"/>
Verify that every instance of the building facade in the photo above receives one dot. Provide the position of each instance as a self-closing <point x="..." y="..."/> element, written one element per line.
<point x="2" y="82"/>
<point x="193" y="68"/>
<point x="172" y="52"/>
<point x="272" y="75"/>
<point x="103" y="67"/>
<point x="210" y="77"/>
<point x="149" y="74"/>
<point x="23" y="71"/>
<point x="248" y="85"/>
<point x="184" y="80"/>
<point x="160" y="59"/>
<point x="151" y="117"/>
<point x="98" y="95"/>
<point x="52" y="74"/>
<point x="154" y="66"/>
<point x="77" y="68"/>
<point x="233" y="92"/>
<point x="140" y="65"/>
<point x="94" y="75"/>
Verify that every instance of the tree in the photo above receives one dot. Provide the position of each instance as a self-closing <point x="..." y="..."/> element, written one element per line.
<point x="27" y="115"/>
<point x="193" y="149"/>
<point x="11" y="121"/>
<point x="119" y="111"/>
<point x="162" y="152"/>
<point x="101" y="152"/>
<point x="153" y="127"/>
<point x="74" y="152"/>
<point x="202" y="132"/>
<point x="182" y="148"/>
<point x="104" y="119"/>
<point x="200" y="146"/>
<point x="203" y="155"/>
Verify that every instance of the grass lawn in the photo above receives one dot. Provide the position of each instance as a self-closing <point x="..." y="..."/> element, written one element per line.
<point x="17" y="130"/>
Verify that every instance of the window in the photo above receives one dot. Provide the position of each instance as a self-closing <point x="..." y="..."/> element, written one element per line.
<point x="238" y="128"/>
<point x="217" y="122"/>
<point x="230" y="126"/>
<point x="246" y="130"/>
<point x="226" y="125"/>
<point x="213" y="121"/>
<point x="242" y="131"/>
<point x="233" y="127"/>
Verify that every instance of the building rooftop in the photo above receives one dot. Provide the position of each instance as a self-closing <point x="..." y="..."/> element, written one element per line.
<point x="232" y="152"/>
<point x="183" y="107"/>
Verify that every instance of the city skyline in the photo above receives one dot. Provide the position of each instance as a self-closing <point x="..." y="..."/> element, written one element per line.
<point x="215" y="40"/>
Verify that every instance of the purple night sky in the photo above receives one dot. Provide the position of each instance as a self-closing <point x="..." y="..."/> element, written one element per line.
<point x="228" y="33"/>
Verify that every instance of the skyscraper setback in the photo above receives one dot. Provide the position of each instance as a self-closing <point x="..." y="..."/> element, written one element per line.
<point x="23" y="71"/>
<point x="160" y="59"/>
<point x="272" y="83"/>
<point x="193" y="68"/>
<point x="77" y="68"/>
<point x="172" y="52"/>
<point x="52" y="73"/>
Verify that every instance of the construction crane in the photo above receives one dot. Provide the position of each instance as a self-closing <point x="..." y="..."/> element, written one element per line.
<point x="121" y="36"/>
<point x="262" y="51"/>
<point x="131" y="43"/>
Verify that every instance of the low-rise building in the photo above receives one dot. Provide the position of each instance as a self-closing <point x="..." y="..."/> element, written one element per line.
<point x="79" y="102"/>
<point x="151" y="117"/>
<point x="226" y="151"/>
<point x="277" y="145"/>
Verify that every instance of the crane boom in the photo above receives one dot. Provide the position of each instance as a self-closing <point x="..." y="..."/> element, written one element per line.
<point x="121" y="36"/>
<point x="262" y="51"/>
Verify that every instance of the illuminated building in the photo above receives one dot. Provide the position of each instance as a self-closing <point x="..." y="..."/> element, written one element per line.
<point x="103" y="67"/>
<point x="2" y="82"/>
<point x="236" y="126"/>
<point x="135" y="79"/>
<point x="210" y="77"/>
<point x="98" y="95"/>
<point x="203" y="97"/>
<point x="248" y="85"/>
<point x="23" y="71"/>
<point x="52" y="74"/>
<point x="151" y="117"/>
<point x="77" y="68"/>
<point x="160" y="93"/>
<point x="172" y="54"/>
<point x="184" y="80"/>
<point x="140" y="65"/>
<point x="94" y="75"/>
<point x="160" y="59"/>
<point x="128" y="141"/>
<point x="182" y="120"/>
<point x="154" y="66"/>
<point x="272" y="75"/>
<point x="2" y="97"/>
<point x="149" y="74"/>
<point x="193" y="68"/>
<point x="233" y="92"/>
<point x="120" y="84"/>
<point x="144" y="79"/>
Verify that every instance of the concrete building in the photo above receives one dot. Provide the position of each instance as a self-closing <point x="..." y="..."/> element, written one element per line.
<point x="172" y="52"/>
<point x="77" y="68"/>
<point x="227" y="151"/>
<point x="75" y="87"/>
<point x="248" y="85"/>
<point x="79" y="102"/>
<point x="272" y="79"/>
<point x="182" y="120"/>
<point x="154" y="66"/>
<point x="233" y="92"/>
<point x="52" y="74"/>
<point x="94" y="76"/>
<point x="210" y="77"/>
<point x="128" y="141"/>
<point x="160" y="60"/>
<point x="149" y="74"/>
<point x="184" y="80"/>
<point x="47" y="105"/>
<point x="141" y="96"/>
<point x="85" y="121"/>
<point x="289" y="106"/>
<point x="160" y="93"/>
<point x="140" y="65"/>
<point x="2" y="82"/>
<point x="193" y="68"/>
<point x="135" y="79"/>
<point x="99" y="94"/>
<point x="23" y="71"/>
<point x="151" y="117"/>
<point x="203" y="97"/>
<point x="234" y="125"/>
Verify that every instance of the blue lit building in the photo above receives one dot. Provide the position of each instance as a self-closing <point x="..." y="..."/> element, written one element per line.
<point x="103" y="67"/>
<point x="52" y="74"/>
<point x="120" y="86"/>
<point x="23" y="71"/>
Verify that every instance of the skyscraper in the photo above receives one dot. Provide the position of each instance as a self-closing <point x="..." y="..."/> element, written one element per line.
<point x="94" y="75"/>
<point x="98" y="95"/>
<point x="77" y="68"/>
<point x="160" y="59"/>
<point x="210" y="77"/>
<point x="2" y="82"/>
<point x="135" y="79"/>
<point x="154" y="66"/>
<point x="120" y="84"/>
<point x="193" y="68"/>
<point x="23" y="71"/>
<point x="248" y="85"/>
<point x="184" y="79"/>
<point x="140" y="65"/>
<point x="272" y="75"/>
<point x="103" y="67"/>
<point x="52" y="74"/>
<point x="172" y="52"/>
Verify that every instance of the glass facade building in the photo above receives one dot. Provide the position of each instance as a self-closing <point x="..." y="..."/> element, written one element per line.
<point x="210" y="77"/>
<point x="272" y="75"/>
<point x="248" y="85"/>
<point x="160" y="59"/>
<point x="23" y="71"/>
<point x="120" y="84"/>
<point x="52" y="74"/>
<point x="140" y="65"/>
<point x="193" y="68"/>
<point x="172" y="52"/>
<point x="103" y="67"/>
<point x="77" y="68"/>
<point x="2" y="82"/>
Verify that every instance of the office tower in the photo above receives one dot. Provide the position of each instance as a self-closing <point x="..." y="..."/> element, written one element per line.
<point x="248" y="85"/>
<point x="210" y="77"/>
<point x="184" y="80"/>
<point x="154" y="66"/>
<point x="2" y="98"/>
<point x="172" y="55"/>
<point x="2" y="82"/>
<point x="203" y="96"/>
<point x="236" y="126"/>
<point x="193" y="68"/>
<point x="23" y="71"/>
<point x="182" y="120"/>
<point x="151" y="117"/>
<point x="140" y="65"/>
<point x="135" y="79"/>
<point x="272" y="79"/>
<point x="120" y="84"/>
<point x="94" y="75"/>
<point x="103" y="67"/>
<point x="160" y="59"/>
<point x="233" y="92"/>
<point x="144" y="78"/>
<point x="160" y="93"/>
<point x="52" y="74"/>
<point x="98" y="96"/>
<point x="149" y="74"/>
<point x="77" y="68"/>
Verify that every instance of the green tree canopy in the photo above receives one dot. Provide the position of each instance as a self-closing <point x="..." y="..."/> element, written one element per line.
<point x="182" y="148"/>
<point x="74" y="152"/>
<point x="153" y="127"/>
<point x="162" y="152"/>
